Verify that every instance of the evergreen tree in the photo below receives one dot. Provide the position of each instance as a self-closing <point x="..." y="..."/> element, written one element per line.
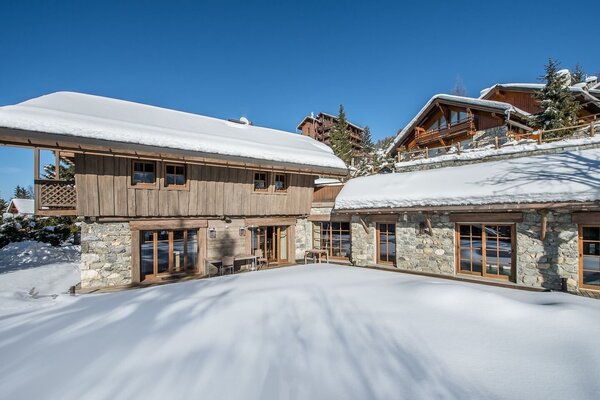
<point x="376" y="160"/>
<point x="367" y="141"/>
<point x="23" y="193"/>
<point x="3" y="206"/>
<point x="340" y="138"/>
<point x="66" y="170"/>
<point x="578" y="75"/>
<point x="559" y="107"/>
<point x="459" y="87"/>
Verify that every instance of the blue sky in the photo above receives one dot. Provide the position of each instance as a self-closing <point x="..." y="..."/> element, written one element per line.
<point x="274" y="62"/>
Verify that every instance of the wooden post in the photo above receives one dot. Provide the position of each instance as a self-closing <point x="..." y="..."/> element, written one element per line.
<point x="497" y="142"/>
<point x="458" y="146"/>
<point x="540" y="137"/>
<point x="57" y="164"/>
<point x="428" y="223"/>
<point x="36" y="177"/>
<point x="592" y="127"/>
<point x="544" y="224"/>
<point x="426" y="152"/>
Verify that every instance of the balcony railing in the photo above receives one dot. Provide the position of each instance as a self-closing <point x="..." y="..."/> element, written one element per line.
<point x="55" y="197"/>
<point x="465" y="126"/>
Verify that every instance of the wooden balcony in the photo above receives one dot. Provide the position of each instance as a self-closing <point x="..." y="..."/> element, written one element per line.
<point x="467" y="126"/>
<point x="55" y="197"/>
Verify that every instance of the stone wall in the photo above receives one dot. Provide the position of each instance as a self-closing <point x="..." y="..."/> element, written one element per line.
<point x="105" y="254"/>
<point x="363" y="245"/>
<point x="417" y="250"/>
<point x="544" y="263"/>
<point x="303" y="237"/>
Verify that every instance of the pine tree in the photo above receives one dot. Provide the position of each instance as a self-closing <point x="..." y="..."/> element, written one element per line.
<point x="23" y="193"/>
<point x="340" y="138"/>
<point x="376" y="160"/>
<point x="367" y="140"/>
<point x="559" y="107"/>
<point x="459" y="87"/>
<point x="3" y="206"/>
<point x="66" y="170"/>
<point x="578" y="75"/>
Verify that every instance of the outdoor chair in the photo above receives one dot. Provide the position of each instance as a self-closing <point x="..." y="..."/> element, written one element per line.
<point x="226" y="264"/>
<point x="261" y="260"/>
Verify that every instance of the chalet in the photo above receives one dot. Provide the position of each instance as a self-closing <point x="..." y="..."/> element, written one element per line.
<point x="163" y="193"/>
<point x="319" y="128"/>
<point x="448" y="123"/>
<point x="530" y="219"/>
<point x="21" y="207"/>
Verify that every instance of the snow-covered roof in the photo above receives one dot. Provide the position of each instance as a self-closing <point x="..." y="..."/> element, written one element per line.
<point x="327" y="182"/>
<point x="474" y="102"/>
<point x="577" y="89"/>
<point x="565" y="177"/>
<point x="23" y="206"/>
<point x="310" y="117"/>
<point x="111" y="120"/>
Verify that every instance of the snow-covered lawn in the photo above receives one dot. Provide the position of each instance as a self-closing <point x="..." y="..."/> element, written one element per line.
<point x="33" y="273"/>
<point x="306" y="332"/>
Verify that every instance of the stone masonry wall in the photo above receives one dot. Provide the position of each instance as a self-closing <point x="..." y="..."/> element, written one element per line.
<point x="363" y="245"/>
<point x="419" y="251"/>
<point x="105" y="254"/>
<point x="303" y="236"/>
<point x="544" y="263"/>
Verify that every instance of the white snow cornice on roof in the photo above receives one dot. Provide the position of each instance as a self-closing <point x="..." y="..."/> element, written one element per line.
<point x="105" y="119"/>
<point x="564" y="177"/>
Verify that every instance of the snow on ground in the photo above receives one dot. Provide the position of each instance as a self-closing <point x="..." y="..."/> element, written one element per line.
<point x="33" y="273"/>
<point x="568" y="176"/>
<point x="306" y="332"/>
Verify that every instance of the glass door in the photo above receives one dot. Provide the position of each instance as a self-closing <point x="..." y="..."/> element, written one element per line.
<point x="167" y="251"/>
<point x="386" y="243"/>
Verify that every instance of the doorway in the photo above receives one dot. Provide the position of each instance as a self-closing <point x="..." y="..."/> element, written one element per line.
<point x="272" y="240"/>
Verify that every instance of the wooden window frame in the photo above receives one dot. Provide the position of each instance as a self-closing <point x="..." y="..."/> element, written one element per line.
<point x="141" y="185"/>
<point x="483" y="274"/>
<point x="171" y="267"/>
<point x="267" y="182"/>
<point x="168" y="186"/>
<point x="580" y="250"/>
<point x="378" y="247"/>
<point x="285" y="182"/>
<point x="329" y="238"/>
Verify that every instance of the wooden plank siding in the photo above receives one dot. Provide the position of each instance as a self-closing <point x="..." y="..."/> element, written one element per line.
<point x="104" y="190"/>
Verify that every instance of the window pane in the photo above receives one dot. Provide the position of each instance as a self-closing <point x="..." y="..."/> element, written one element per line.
<point x="163" y="251"/>
<point x="192" y="248"/>
<point x="591" y="263"/>
<point x="465" y="230"/>
<point x="178" y="250"/>
<point x="591" y="278"/>
<point x="476" y="261"/>
<point x="148" y="177"/>
<point x="170" y="169"/>
<point x="138" y="177"/>
<point x="180" y="180"/>
<point x="591" y="233"/>
<point x="149" y="167"/>
<point x="465" y="265"/>
<point x="476" y="230"/>
<point x="147" y="254"/>
<point x="591" y="248"/>
<point x="504" y="231"/>
<point x="170" y="180"/>
<point x="138" y="166"/>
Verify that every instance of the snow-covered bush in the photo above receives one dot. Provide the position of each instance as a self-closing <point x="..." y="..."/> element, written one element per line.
<point x="53" y="230"/>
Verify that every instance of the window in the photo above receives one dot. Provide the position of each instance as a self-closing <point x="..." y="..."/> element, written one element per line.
<point x="386" y="243"/>
<point x="486" y="250"/>
<point x="260" y="182"/>
<point x="589" y="242"/>
<point x="333" y="237"/>
<point x="175" y="175"/>
<point x="280" y="183"/>
<point x="144" y="173"/>
<point x="167" y="251"/>
<point x="457" y="116"/>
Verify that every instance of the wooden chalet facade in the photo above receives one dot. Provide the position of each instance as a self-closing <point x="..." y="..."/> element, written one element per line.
<point x="449" y="121"/>
<point x="152" y="212"/>
<point x="319" y="128"/>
